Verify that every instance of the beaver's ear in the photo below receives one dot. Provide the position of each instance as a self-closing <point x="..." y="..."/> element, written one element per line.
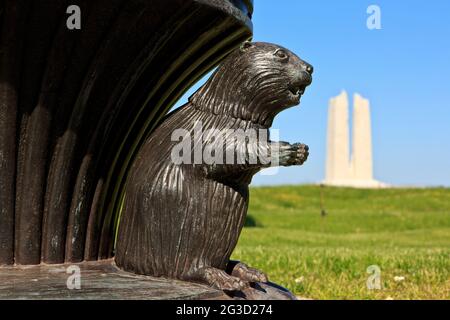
<point x="245" y="46"/>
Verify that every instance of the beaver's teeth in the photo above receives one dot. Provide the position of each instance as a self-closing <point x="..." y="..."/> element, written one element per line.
<point x="297" y="91"/>
<point x="301" y="91"/>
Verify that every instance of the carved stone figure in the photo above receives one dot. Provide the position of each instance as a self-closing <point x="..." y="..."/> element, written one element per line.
<point x="183" y="220"/>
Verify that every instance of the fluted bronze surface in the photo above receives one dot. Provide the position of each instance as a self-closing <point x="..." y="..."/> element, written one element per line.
<point x="76" y="105"/>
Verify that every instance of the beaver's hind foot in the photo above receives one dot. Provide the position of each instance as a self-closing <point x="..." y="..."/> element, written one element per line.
<point x="218" y="279"/>
<point x="246" y="273"/>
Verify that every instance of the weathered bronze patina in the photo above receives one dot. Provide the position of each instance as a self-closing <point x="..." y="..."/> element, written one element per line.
<point x="83" y="109"/>
<point x="75" y="105"/>
<point x="183" y="220"/>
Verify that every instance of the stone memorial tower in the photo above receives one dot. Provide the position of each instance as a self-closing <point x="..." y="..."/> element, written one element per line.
<point x="337" y="167"/>
<point x="341" y="168"/>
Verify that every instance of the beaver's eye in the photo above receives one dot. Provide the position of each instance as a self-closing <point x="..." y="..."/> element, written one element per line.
<point x="281" y="54"/>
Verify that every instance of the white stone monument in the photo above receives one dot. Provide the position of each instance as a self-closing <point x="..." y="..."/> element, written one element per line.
<point x="341" y="169"/>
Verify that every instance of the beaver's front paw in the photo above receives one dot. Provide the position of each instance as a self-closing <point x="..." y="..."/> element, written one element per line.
<point x="292" y="154"/>
<point x="301" y="154"/>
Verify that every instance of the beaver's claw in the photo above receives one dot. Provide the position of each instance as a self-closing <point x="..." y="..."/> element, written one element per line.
<point x="292" y="154"/>
<point x="217" y="279"/>
<point x="246" y="273"/>
<point x="302" y="153"/>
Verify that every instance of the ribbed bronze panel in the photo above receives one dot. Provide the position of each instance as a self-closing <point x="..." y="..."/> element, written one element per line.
<point x="75" y="106"/>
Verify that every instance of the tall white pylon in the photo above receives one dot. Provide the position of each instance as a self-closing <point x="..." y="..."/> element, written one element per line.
<point x="338" y="139"/>
<point x="356" y="171"/>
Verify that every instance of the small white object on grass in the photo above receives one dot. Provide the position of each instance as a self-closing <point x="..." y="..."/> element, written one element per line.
<point x="299" y="280"/>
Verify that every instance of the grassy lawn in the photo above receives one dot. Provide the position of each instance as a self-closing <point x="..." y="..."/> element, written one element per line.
<point x="405" y="232"/>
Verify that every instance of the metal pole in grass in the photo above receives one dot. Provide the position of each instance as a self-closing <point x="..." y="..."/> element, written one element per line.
<point x="323" y="213"/>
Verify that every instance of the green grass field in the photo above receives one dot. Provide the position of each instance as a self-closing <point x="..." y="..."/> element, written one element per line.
<point x="405" y="232"/>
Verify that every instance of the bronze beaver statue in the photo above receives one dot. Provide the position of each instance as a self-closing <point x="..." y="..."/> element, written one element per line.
<point x="183" y="220"/>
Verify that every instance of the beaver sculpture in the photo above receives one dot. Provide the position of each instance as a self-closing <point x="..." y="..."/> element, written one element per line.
<point x="183" y="220"/>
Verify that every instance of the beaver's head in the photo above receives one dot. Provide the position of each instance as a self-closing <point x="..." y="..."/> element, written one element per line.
<point x="255" y="83"/>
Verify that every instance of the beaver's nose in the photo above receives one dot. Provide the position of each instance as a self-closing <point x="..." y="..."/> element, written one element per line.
<point x="309" y="68"/>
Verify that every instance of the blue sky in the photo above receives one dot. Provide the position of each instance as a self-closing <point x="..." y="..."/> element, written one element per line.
<point x="403" y="69"/>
